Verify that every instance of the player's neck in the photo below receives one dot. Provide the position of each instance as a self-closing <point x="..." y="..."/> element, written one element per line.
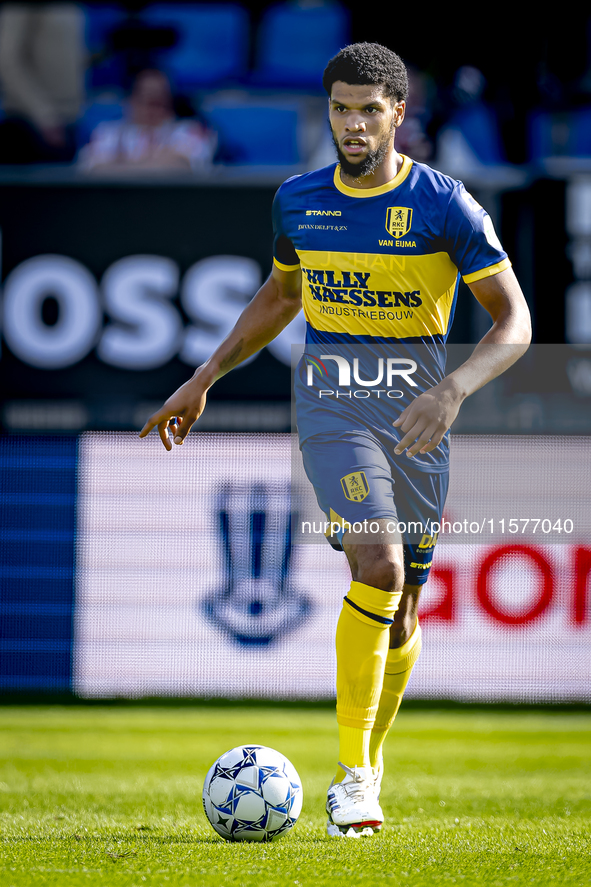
<point x="385" y="172"/>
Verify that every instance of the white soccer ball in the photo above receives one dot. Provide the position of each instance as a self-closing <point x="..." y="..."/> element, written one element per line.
<point x="252" y="793"/>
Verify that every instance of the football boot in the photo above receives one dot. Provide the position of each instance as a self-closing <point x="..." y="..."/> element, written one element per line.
<point x="352" y="805"/>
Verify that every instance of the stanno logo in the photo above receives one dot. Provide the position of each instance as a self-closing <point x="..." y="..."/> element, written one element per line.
<point x="398" y="220"/>
<point x="323" y="212"/>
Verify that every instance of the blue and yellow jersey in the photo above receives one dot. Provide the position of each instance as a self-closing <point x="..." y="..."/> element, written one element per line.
<point x="380" y="268"/>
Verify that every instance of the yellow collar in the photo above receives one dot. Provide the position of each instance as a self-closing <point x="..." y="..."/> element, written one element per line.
<point x="373" y="192"/>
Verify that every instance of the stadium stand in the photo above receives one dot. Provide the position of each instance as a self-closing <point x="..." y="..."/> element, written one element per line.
<point x="295" y="40"/>
<point x="212" y="45"/>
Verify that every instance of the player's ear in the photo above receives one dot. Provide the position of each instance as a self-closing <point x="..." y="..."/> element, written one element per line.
<point x="399" y="112"/>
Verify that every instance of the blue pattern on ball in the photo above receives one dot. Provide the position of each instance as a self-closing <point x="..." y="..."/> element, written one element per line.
<point x="252" y="793"/>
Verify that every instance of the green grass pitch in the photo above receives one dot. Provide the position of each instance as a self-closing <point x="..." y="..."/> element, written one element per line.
<point x="111" y="795"/>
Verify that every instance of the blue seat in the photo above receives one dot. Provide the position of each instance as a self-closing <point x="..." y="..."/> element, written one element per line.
<point x="212" y="45"/>
<point x="255" y="134"/>
<point x="295" y="42"/>
<point x="559" y="133"/>
<point x="478" y="124"/>
<point x="99" y="22"/>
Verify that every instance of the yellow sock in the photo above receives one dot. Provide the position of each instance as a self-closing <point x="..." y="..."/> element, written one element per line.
<point x="363" y="634"/>
<point x="399" y="666"/>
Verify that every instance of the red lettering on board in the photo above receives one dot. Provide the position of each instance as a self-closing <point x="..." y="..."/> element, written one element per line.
<point x="546" y="585"/>
<point x="582" y="571"/>
<point x="443" y="608"/>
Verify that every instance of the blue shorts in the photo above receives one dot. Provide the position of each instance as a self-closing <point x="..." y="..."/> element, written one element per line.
<point x="357" y="477"/>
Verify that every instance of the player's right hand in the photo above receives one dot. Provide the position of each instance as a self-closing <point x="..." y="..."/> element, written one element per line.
<point x="177" y="416"/>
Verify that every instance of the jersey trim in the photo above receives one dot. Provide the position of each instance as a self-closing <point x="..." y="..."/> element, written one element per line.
<point x="283" y="267"/>
<point x="487" y="272"/>
<point x="373" y="192"/>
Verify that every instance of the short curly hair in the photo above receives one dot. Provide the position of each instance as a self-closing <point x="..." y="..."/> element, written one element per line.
<point x="368" y="63"/>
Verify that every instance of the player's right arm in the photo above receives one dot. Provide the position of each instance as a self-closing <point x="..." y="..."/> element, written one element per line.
<point x="274" y="306"/>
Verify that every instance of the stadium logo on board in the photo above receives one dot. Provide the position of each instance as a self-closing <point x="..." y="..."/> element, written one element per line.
<point x="398" y="220"/>
<point x="256" y="602"/>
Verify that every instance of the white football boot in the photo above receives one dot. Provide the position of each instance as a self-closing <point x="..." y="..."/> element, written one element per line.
<point x="352" y="805"/>
<point x="378" y="773"/>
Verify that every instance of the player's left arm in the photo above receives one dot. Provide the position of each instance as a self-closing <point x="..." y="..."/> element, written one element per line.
<point x="424" y="422"/>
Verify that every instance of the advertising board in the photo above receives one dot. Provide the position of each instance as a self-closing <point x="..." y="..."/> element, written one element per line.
<point x="192" y="580"/>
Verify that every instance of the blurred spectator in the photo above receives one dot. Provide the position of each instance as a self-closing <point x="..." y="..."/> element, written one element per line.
<point x="151" y="137"/>
<point x="412" y="138"/>
<point x="42" y="62"/>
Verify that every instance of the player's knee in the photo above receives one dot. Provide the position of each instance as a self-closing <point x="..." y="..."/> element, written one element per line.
<point x="382" y="571"/>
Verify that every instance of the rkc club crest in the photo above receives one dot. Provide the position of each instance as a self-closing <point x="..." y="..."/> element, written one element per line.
<point x="398" y="220"/>
<point x="355" y="486"/>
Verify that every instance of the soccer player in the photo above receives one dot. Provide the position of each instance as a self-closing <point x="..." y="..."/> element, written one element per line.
<point x="373" y="246"/>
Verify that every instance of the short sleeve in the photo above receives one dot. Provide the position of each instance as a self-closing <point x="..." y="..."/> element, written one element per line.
<point x="470" y="238"/>
<point x="284" y="254"/>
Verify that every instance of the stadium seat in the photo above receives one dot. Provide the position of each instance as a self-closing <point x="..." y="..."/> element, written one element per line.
<point x="212" y="42"/>
<point x="100" y="21"/>
<point x="478" y="124"/>
<point x="255" y="134"/>
<point x="296" y="40"/>
<point x="560" y="133"/>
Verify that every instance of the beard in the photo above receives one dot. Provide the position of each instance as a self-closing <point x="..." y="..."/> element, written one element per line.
<point x="370" y="162"/>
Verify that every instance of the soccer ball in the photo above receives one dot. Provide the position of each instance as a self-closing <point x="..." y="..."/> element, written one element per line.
<point x="252" y="793"/>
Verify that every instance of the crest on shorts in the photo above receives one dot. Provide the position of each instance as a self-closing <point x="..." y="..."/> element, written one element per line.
<point x="355" y="486"/>
<point x="398" y="220"/>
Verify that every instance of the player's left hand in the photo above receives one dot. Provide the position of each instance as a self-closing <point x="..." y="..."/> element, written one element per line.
<point x="424" y="422"/>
